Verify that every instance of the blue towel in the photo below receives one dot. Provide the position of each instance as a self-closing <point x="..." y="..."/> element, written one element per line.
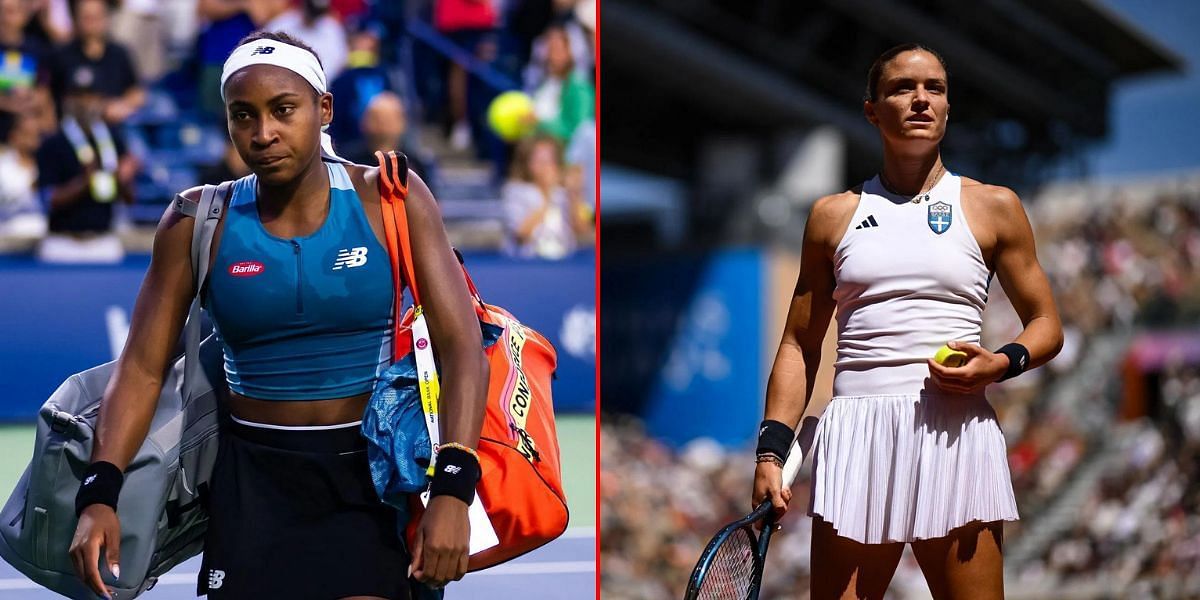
<point x="398" y="444"/>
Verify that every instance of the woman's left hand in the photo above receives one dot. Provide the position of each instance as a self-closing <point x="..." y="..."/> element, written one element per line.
<point x="440" y="551"/>
<point x="982" y="367"/>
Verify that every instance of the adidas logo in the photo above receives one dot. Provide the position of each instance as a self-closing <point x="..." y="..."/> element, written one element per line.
<point x="868" y="222"/>
<point x="350" y="258"/>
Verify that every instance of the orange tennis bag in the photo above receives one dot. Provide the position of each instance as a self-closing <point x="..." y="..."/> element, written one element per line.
<point x="521" y="485"/>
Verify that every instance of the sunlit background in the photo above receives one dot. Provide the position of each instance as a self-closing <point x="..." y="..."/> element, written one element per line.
<point x="724" y="120"/>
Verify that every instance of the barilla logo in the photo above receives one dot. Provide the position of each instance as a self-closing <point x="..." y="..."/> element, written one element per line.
<point x="421" y="343"/>
<point x="246" y="268"/>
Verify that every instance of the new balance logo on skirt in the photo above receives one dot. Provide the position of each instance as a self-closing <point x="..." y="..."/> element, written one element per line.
<point x="215" y="578"/>
<point x="350" y="258"/>
<point x="868" y="223"/>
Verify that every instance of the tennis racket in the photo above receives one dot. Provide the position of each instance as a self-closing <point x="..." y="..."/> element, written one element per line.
<point x="731" y="566"/>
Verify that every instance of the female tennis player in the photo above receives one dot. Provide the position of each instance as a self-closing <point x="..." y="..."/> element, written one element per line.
<point x="908" y="450"/>
<point x="301" y="297"/>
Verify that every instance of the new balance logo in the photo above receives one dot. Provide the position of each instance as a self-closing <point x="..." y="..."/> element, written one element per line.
<point x="453" y="469"/>
<point x="350" y="258"/>
<point x="89" y="480"/>
<point x="262" y="50"/>
<point x="215" y="578"/>
<point x="868" y="223"/>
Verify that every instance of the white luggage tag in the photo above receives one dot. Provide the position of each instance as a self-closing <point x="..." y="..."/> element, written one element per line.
<point x="483" y="535"/>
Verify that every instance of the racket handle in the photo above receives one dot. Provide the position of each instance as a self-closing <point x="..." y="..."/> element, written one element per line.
<point x="791" y="468"/>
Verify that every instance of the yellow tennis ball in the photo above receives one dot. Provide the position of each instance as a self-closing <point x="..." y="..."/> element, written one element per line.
<point x="511" y="115"/>
<point x="950" y="358"/>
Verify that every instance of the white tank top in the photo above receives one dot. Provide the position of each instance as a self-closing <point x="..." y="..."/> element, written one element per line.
<point x="909" y="278"/>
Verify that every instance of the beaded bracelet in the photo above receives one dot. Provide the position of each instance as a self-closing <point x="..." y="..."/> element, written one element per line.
<point x="769" y="457"/>
<point x="470" y="451"/>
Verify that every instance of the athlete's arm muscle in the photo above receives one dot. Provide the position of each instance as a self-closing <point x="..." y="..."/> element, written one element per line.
<point x="158" y="317"/>
<point x="452" y="320"/>
<point x="1022" y="277"/>
<point x="132" y="393"/>
<point x="790" y="386"/>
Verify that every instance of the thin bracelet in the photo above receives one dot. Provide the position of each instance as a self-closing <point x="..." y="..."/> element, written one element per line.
<point x="768" y="457"/>
<point x="470" y="451"/>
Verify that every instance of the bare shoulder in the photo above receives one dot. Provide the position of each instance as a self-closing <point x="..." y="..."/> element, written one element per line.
<point x="366" y="182"/>
<point x="829" y="215"/>
<point x="995" y="200"/>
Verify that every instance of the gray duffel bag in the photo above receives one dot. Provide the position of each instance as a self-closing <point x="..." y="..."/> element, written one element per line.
<point x="162" y="503"/>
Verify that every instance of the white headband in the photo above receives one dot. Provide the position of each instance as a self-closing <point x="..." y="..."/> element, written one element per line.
<point x="293" y="58"/>
<point x="269" y="52"/>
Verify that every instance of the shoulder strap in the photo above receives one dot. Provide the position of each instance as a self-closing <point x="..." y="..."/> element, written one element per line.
<point x="184" y="206"/>
<point x="393" y="191"/>
<point x="208" y="213"/>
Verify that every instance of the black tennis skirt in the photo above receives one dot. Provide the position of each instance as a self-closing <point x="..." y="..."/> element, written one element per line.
<point x="293" y="514"/>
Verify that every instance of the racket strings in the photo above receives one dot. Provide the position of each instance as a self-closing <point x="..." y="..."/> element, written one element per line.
<point x="731" y="573"/>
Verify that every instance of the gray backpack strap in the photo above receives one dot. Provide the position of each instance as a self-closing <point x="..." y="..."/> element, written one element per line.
<point x="184" y="206"/>
<point x="209" y="210"/>
<point x="212" y="210"/>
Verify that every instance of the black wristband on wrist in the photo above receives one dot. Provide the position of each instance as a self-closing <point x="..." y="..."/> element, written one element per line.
<point x="455" y="474"/>
<point x="101" y="485"/>
<point x="1018" y="359"/>
<point x="775" y="438"/>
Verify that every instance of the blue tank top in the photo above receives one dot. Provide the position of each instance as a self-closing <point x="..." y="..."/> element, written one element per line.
<point x="305" y="318"/>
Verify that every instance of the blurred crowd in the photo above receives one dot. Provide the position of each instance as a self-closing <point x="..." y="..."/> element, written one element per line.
<point x="1114" y="265"/>
<point x="110" y="107"/>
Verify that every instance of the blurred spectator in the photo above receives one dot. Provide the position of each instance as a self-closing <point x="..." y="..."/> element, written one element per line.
<point x="83" y="169"/>
<point x="571" y="17"/>
<point x="230" y="167"/>
<point x="581" y="162"/>
<point x="139" y="26"/>
<point x="226" y="22"/>
<point x="50" y="21"/>
<point x="384" y="128"/>
<point x="363" y="78"/>
<point x="25" y="70"/>
<point x="563" y="98"/>
<point x="470" y="24"/>
<point x="544" y="218"/>
<point x="92" y="60"/>
<point x="314" y="25"/>
<point x="20" y="212"/>
<point x="347" y="10"/>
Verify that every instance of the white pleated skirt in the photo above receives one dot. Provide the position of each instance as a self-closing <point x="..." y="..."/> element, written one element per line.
<point x="900" y="468"/>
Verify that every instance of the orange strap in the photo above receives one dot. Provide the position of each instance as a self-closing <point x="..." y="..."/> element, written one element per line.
<point x="393" y="190"/>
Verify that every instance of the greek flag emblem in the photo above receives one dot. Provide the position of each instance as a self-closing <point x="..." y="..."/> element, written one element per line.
<point x="940" y="216"/>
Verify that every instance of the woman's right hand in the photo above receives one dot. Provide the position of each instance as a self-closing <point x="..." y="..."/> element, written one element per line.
<point x="98" y="528"/>
<point x="768" y="485"/>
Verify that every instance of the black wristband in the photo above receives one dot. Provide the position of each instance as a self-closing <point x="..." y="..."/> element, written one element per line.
<point x="101" y="485"/>
<point x="455" y="474"/>
<point x="775" y="438"/>
<point x="1018" y="359"/>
